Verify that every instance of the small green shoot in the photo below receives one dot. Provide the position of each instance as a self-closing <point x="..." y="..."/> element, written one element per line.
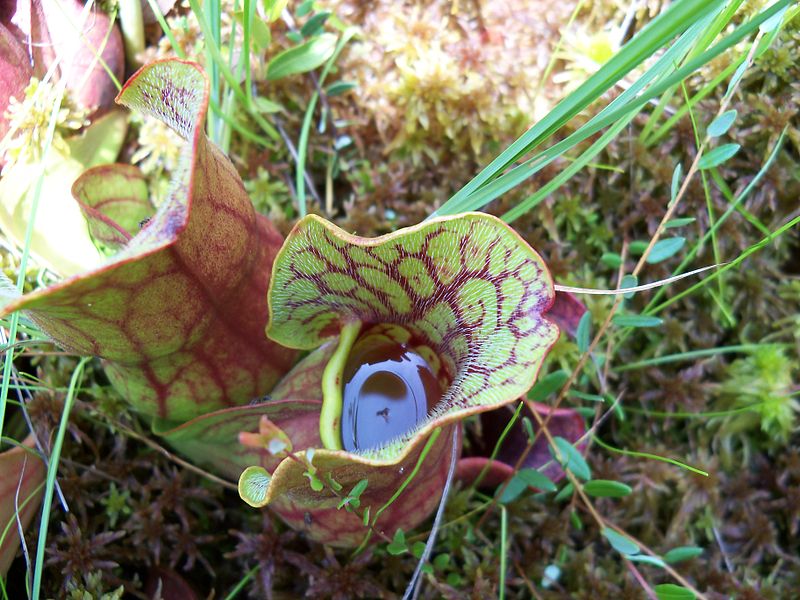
<point x="571" y="458"/>
<point x="604" y="488"/>
<point x="398" y="544"/>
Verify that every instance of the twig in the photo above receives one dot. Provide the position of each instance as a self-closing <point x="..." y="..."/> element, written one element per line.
<point x="527" y="581"/>
<point x="722" y="549"/>
<point x="602" y="523"/>
<point x="638" y="576"/>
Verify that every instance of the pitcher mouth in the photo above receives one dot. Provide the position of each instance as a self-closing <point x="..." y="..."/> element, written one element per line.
<point x="382" y="382"/>
<point x="464" y="293"/>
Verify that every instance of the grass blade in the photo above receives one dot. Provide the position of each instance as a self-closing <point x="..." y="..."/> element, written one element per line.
<point x="673" y="21"/>
<point x="52" y="470"/>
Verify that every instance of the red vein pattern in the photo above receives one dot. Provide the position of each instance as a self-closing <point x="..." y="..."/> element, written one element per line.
<point x="316" y="514"/>
<point x="178" y="314"/>
<point x="468" y="285"/>
<point x="212" y="439"/>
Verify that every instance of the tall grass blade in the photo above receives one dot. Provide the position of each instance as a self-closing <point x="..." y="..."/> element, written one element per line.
<point x="678" y="17"/>
<point x="52" y="470"/>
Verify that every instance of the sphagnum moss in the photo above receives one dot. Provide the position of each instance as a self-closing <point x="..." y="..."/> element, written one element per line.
<point x="705" y="512"/>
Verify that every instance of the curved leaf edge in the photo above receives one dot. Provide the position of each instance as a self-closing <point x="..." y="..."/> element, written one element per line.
<point x="117" y="260"/>
<point x="366" y="242"/>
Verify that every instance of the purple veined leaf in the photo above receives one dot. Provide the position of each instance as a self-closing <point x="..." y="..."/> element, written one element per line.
<point x="22" y="474"/>
<point x="467" y="292"/>
<point x="215" y="442"/>
<point x="464" y="294"/>
<point x="563" y="422"/>
<point x="116" y="212"/>
<point x="178" y="313"/>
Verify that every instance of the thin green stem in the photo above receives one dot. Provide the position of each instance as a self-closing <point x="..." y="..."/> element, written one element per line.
<point x="305" y="130"/>
<point x="52" y="470"/>
<point x="691" y="355"/>
<point x="497" y="446"/>
<point x="503" y="551"/>
<point x="637" y="454"/>
<point x="240" y="586"/>
<point x="8" y="363"/>
<point x="249" y="17"/>
<point x="425" y="450"/>
<point x="720" y="298"/>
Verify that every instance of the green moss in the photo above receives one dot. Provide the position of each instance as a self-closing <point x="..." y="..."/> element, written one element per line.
<point x="764" y="382"/>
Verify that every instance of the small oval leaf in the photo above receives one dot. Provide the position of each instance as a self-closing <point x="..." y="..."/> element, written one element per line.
<point x="650" y="560"/>
<point x="621" y="543"/>
<point x="676" y="182"/>
<point x="722" y="123"/>
<point x="547" y="385"/>
<point x="511" y="491"/>
<point x="682" y="553"/>
<point x="611" y="259"/>
<point x="664" y="249"/>
<point x="302" y="58"/>
<point x="628" y="320"/>
<point x="536" y="479"/>
<point x="583" y="332"/>
<point x="314" y="24"/>
<point x="629" y="281"/>
<point x="565" y="492"/>
<point x="337" y="88"/>
<point x="717" y="156"/>
<point x="314" y="481"/>
<point x="253" y="485"/>
<point x="398" y="544"/>
<point x="673" y="223"/>
<point x="523" y="480"/>
<point x="572" y="458"/>
<point x="605" y="488"/>
<point x="670" y="591"/>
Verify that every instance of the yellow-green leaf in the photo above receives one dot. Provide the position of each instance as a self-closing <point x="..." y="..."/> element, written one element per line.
<point x="303" y="58"/>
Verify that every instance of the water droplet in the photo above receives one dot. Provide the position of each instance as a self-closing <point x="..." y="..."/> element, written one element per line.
<point x="388" y="389"/>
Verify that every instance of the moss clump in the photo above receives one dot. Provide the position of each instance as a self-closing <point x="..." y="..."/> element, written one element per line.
<point x="439" y="84"/>
<point x="763" y="382"/>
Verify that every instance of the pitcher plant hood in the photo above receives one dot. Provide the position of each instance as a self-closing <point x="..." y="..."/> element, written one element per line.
<point x="178" y="312"/>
